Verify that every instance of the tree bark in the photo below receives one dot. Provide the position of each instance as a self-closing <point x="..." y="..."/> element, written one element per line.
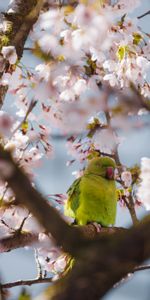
<point x="19" y="20"/>
<point x="100" y="262"/>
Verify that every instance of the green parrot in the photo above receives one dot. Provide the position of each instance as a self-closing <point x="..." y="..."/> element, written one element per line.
<point x="93" y="196"/>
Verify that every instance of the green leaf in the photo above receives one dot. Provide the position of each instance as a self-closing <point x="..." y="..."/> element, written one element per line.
<point x="68" y="10"/>
<point x="24" y="127"/>
<point x="92" y="127"/>
<point x="93" y="124"/>
<point x="136" y="38"/>
<point x="135" y="172"/>
<point x="90" y="68"/>
<point x="1" y="201"/>
<point x="122" y="50"/>
<point x="120" y="23"/>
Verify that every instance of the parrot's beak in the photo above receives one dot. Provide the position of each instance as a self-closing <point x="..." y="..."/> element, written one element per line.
<point x="110" y="172"/>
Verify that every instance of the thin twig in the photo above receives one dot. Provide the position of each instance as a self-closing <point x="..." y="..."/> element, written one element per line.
<point x="130" y="275"/>
<point x="5" y="224"/>
<point x="142" y="268"/>
<point x="22" y="224"/>
<point x="49" y="280"/>
<point x="143" y="15"/>
<point x="28" y="49"/>
<point x="39" y="267"/>
<point x="25" y="282"/>
<point x="30" y="108"/>
<point x="130" y="203"/>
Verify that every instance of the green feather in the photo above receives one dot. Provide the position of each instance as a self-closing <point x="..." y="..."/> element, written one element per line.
<point x="73" y="199"/>
<point x="93" y="197"/>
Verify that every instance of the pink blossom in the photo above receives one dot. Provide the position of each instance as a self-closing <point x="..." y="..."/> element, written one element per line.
<point x="43" y="71"/>
<point x="111" y="78"/>
<point x="9" y="53"/>
<point x="80" y="86"/>
<point x="13" y="80"/>
<point x="110" y="65"/>
<point x="60" y="264"/>
<point x="126" y="178"/>
<point x="143" y="193"/>
<point x="6" y="122"/>
<point x="104" y="141"/>
<point x="145" y="90"/>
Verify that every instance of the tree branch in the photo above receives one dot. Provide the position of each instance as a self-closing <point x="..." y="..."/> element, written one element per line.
<point x="65" y="235"/>
<point x="19" y="18"/>
<point x="130" y="205"/>
<point x="90" y="232"/>
<point x="95" y="271"/>
<point x="17" y="240"/>
<point x="105" y="263"/>
<point x="29" y="110"/>
<point x="20" y="239"/>
<point x="141" y="268"/>
<point x="25" y="282"/>
<point x="30" y="282"/>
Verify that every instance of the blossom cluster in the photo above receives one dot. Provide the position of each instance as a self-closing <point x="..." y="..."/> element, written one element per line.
<point x="143" y="193"/>
<point x="84" y="52"/>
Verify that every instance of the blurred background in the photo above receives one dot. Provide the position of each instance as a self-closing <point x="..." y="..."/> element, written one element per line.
<point x="55" y="177"/>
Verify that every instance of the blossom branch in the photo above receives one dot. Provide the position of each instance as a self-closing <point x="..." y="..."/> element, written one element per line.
<point x="107" y="250"/>
<point x="22" y="239"/>
<point x="22" y="15"/>
<point x="65" y="235"/>
<point x="29" y="110"/>
<point x="133" y="101"/>
<point x="28" y="282"/>
<point x="19" y="19"/>
<point x="100" y="267"/>
<point x="17" y="240"/>
<point x="130" y="203"/>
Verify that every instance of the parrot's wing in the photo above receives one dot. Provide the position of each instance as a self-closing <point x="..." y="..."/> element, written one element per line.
<point x="73" y="198"/>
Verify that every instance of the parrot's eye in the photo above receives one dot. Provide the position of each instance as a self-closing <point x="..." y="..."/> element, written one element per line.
<point x="110" y="172"/>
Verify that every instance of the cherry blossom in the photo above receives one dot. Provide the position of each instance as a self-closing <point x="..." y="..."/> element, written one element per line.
<point x="104" y="140"/>
<point x="85" y="54"/>
<point x="6" y="122"/>
<point x="144" y="187"/>
<point x="126" y="178"/>
<point x="9" y="53"/>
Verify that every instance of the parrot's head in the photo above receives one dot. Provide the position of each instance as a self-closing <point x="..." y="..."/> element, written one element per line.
<point x="102" y="166"/>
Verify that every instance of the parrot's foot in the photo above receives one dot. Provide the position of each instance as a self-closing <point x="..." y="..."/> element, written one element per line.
<point x="74" y="222"/>
<point x="97" y="226"/>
